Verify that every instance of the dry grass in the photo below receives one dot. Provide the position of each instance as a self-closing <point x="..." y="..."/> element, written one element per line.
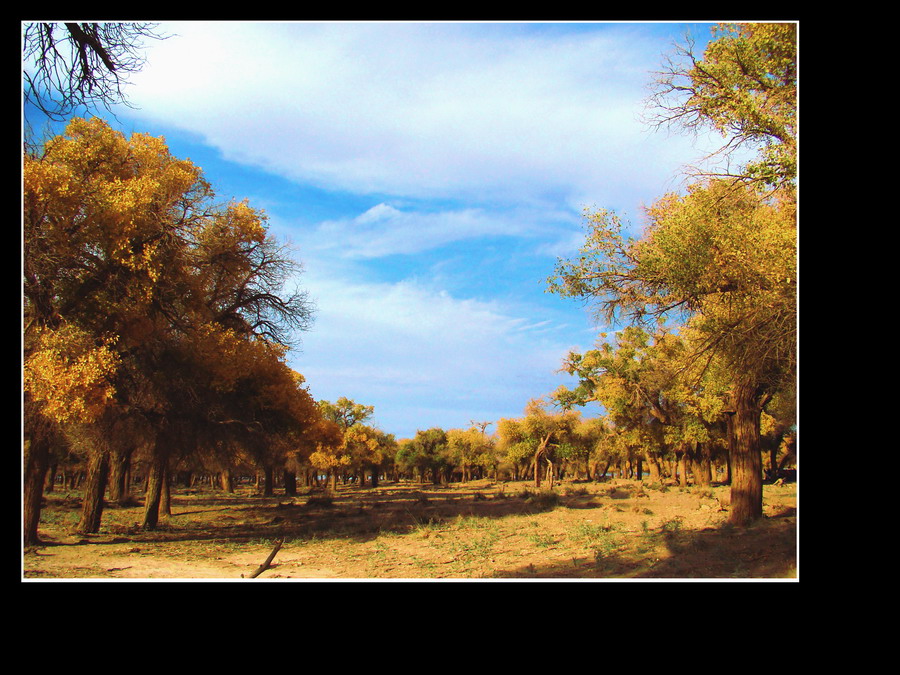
<point x="479" y="530"/>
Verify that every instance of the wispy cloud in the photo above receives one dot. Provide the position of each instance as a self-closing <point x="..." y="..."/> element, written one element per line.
<point x="386" y="230"/>
<point x="420" y="110"/>
<point x="405" y="345"/>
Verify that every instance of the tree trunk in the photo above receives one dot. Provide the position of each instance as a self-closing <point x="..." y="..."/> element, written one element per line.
<point x="51" y="477"/>
<point x="165" y="497"/>
<point x="653" y="463"/>
<point x="226" y="481"/>
<point x="268" y="482"/>
<point x="94" y="491"/>
<point x="155" y="476"/>
<point x="289" y="478"/>
<point x="119" y="463"/>
<point x="374" y="476"/>
<point x="37" y="456"/>
<point x="746" y="459"/>
<point x="773" y="457"/>
<point x="682" y="469"/>
<point x="542" y="448"/>
<point x="699" y="464"/>
<point x="605" y="470"/>
<point x="790" y="451"/>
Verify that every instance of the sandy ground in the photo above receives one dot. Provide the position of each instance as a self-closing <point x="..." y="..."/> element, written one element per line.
<point x="479" y="530"/>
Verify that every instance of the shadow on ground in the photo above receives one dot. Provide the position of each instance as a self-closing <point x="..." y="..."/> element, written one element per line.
<point x="767" y="549"/>
<point x="360" y="514"/>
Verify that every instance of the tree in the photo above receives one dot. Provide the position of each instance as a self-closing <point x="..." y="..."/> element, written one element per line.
<point x="355" y="441"/>
<point x="143" y="299"/>
<point x="722" y="257"/>
<point x="100" y="222"/>
<point x="725" y="258"/>
<point x="465" y="446"/>
<point x="744" y="87"/>
<point x="538" y="436"/>
<point x="426" y="453"/>
<point x="77" y="65"/>
<point x="345" y="412"/>
<point x="630" y="377"/>
<point x="330" y="453"/>
<point x="241" y="273"/>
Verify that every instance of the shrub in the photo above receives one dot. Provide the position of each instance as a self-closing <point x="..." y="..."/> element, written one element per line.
<point x="544" y="500"/>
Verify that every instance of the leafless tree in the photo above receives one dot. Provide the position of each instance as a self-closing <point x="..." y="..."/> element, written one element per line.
<point x="70" y="65"/>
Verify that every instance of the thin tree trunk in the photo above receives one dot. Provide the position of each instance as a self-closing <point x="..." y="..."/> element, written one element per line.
<point x="165" y="497"/>
<point x="51" y="477"/>
<point x="542" y="448"/>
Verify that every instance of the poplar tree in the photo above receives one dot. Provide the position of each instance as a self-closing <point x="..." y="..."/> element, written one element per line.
<point x="721" y="258"/>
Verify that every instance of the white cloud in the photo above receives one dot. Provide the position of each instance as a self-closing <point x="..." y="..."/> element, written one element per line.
<point x="405" y="346"/>
<point x="415" y="109"/>
<point x="522" y="129"/>
<point x="386" y="230"/>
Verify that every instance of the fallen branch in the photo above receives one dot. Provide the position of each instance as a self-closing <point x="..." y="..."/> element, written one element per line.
<point x="262" y="568"/>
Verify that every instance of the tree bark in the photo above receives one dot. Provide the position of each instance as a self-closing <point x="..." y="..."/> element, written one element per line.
<point x="699" y="463"/>
<point x="165" y="497"/>
<point x="51" y="477"/>
<point x="119" y="464"/>
<point x="746" y="459"/>
<point x="37" y="456"/>
<point x="94" y="491"/>
<point x="155" y="475"/>
<point x="682" y="468"/>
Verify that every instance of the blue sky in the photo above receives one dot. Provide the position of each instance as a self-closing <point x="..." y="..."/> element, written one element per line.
<point x="428" y="175"/>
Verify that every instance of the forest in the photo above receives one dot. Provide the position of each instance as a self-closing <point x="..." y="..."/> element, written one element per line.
<point x="158" y="318"/>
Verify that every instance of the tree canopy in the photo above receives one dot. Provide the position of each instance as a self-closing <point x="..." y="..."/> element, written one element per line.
<point x="744" y="87"/>
<point x="720" y="259"/>
<point x="144" y="297"/>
